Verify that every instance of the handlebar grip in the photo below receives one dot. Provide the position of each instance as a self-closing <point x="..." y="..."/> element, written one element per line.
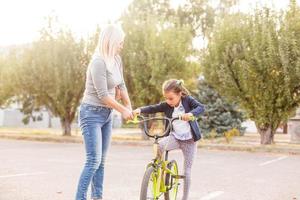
<point x="192" y="118"/>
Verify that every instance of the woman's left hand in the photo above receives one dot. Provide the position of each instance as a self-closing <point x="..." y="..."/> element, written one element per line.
<point x="187" y="116"/>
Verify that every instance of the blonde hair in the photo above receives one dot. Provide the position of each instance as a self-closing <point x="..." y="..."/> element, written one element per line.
<point x="176" y="86"/>
<point x="110" y="38"/>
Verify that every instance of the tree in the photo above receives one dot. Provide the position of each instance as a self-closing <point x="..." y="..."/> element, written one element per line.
<point x="202" y="15"/>
<point x="52" y="74"/>
<point x="3" y="91"/>
<point x="254" y="60"/>
<point x="156" y="48"/>
<point x="7" y="66"/>
<point x="220" y="115"/>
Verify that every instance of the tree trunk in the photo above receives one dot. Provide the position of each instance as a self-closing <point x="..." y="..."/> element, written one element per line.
<point x="285" y="128"/>
<point x="49" y="119"/>
<point x="66" y="126"/>
<point x="266" y="135"/>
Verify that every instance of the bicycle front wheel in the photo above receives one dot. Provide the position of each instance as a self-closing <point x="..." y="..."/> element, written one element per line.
<point x="172" y="181"/>
<point x="149" y="185"/>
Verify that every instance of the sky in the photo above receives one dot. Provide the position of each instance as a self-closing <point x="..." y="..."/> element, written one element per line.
<point x="21" y="20"/>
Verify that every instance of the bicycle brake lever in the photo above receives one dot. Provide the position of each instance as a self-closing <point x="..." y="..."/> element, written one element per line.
<point x="135" y="120"/>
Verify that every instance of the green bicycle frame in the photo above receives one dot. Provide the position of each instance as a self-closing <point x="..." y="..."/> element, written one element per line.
<point x="158" y="175"/>
<point x="159" y="165"/>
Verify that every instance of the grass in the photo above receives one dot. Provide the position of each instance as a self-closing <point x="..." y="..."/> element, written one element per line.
<point x="130" y="125"/>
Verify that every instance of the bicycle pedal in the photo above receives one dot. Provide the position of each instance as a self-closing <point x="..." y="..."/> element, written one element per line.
<point x="178" y="176"/>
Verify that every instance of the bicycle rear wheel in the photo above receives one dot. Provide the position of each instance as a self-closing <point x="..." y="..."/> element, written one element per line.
<point x="172" y="181"/>
<point x="149" y="185"/>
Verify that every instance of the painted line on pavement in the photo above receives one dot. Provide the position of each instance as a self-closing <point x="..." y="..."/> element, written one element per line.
<point x="24" y="174"/>
<point x="212" y="195"/>
<point x="272" y="161"/>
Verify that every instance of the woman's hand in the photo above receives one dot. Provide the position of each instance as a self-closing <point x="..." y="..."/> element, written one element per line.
<point x="127" y="114"/>
<point x="187" y="116"/>
<point x="136" y="111"/>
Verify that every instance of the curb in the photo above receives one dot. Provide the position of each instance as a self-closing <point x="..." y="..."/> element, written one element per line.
<point x="41" y="138"/>
<point x="252" y="148"/>
<point x="116" y="139"/>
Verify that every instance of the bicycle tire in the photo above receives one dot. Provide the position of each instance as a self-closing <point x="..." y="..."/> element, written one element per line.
<point x="172" y="191"/>
<point x="146" y="184"/>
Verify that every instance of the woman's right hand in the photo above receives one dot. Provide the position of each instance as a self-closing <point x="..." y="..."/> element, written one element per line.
<point x="127" y="114"/>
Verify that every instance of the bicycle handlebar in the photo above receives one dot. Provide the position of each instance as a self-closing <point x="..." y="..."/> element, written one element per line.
<point x="138" y="119"/>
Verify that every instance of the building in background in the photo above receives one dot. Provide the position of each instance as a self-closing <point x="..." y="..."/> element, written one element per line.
<point x="13" y="117"/>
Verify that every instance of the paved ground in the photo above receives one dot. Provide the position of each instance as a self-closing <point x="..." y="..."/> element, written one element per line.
<point x="49" y="171"/>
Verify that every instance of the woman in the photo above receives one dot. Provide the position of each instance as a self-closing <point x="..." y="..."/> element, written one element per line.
<point x="104" y="81"/>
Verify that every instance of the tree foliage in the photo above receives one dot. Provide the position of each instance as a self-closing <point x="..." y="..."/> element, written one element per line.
<point x="220" y="115"/>
<point x="254" y="60"/>
<point x="52" y="73"/>
<point x="157" y="47"/>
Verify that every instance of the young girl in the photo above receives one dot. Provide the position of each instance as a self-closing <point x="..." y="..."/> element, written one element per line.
<point x="185" y="133"/>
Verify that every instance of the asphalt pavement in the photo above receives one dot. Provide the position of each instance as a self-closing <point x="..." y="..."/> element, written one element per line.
<point x="32" y="170"/>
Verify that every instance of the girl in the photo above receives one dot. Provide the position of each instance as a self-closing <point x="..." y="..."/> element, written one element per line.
<point x="104" y="82"/>
<point x="185" y="133"/>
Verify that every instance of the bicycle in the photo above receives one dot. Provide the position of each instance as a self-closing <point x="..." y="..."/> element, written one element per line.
<point x="161" y="177"/>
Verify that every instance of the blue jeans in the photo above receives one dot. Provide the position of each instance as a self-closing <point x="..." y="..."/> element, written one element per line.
<point x="96" y="126"/>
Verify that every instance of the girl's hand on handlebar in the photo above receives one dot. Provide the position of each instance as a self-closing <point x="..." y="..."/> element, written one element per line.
<point x="136" y="112"/>
<point x="187" y="117"/>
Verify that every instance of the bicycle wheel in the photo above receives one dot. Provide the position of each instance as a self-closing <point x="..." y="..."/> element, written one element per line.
<point x="148" y="189"/>
<point x="171" y="182"/>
